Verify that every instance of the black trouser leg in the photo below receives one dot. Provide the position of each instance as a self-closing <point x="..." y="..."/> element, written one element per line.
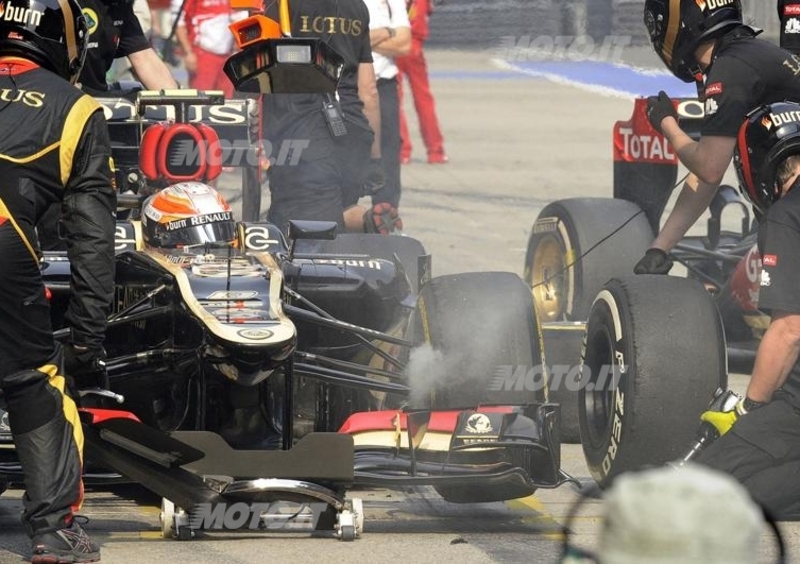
<point x="762" y="451"/>
<point x="43" y="420"/>
<point x="49" y="442"/>
<point x="390" y="142"/>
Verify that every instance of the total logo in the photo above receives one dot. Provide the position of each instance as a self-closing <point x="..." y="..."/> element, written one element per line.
<point x="713" y="4"/>
<point x="28" y="16"/>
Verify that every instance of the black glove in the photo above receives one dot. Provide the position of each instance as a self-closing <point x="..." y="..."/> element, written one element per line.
<point x="654" y="261"/>
<point x="658" y="108"/>
<point x="86" y="366"/>
<point x="375" y="177"/>
<point x="382" y="218"/>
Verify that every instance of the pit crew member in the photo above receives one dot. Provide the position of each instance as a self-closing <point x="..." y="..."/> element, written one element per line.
<point x="59" y="152"/>
<point x="760" y="442"/>
<point x="735" y="71"/>
<point x="390" y="37"/>
<point x="333" y="171"/>
<point x="114" y="32"/>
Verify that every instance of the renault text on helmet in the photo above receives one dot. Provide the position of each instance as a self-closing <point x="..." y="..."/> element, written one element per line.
<point x="187" y="214"/>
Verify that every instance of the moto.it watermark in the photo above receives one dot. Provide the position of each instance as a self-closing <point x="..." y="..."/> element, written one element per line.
<point x="523" y="48"/>
<point x="572" y="377"/>
<point x="266" y="516"/>
<point x="223" y="152"/>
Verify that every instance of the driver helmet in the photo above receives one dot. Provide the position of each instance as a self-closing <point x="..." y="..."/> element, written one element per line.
<point x="677" y="27"/>
<point x="769" y="135"/>
<point x="52" y="33"/>
<point x="186" y="214"/>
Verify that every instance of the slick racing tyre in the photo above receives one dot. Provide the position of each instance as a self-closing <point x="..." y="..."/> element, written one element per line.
<point x="566" y="263"/>
<point x="478" y="326"/>
<point x="480" y="331"/>
<point x="654" y="356"/>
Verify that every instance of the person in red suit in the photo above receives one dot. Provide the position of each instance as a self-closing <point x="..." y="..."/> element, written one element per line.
<point x="415" y="68"/>
<point x="204" y="36"/>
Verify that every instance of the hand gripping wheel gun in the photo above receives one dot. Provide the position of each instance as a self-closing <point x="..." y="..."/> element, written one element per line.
<point x="723" y="401"/>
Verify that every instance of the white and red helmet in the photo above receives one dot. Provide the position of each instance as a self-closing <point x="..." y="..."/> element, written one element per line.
<point x="187" y="214"/>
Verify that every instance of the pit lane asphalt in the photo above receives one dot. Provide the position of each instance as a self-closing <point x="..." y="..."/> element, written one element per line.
<point x="515" y="143"/>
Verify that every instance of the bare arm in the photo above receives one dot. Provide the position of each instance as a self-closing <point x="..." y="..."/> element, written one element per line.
<point x="189" y="59"/>
<point x="151" y="70"/>
<point x="368" y="93"/>
<point x="708" y="158"/>
<point x="382" y="41"/>
<point x="693" y="200"/>
<point x="777" y="354"/>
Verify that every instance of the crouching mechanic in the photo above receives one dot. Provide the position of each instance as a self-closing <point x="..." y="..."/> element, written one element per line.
<point x="760" y="442"/>
<point x="705" y="40"/>
<point x="59" y="152"/>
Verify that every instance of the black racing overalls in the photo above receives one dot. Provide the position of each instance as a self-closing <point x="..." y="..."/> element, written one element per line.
<point x="326" y="173"/>
<point x="56" y="149"/>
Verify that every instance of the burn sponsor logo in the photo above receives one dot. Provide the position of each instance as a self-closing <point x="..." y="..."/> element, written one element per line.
<point x="713" y="4"/>
<point x="23" y="15"/>
<point x="711" y="106"/>
<point x="196" y="220"/>
<point x="765" y="279"/>
<point x="792" y="26"/>
<point x="785" y="117"/>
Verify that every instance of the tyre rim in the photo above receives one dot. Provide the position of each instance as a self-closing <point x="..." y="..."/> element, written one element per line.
<point x="549" y="279"/>
<point x="598" y="403"/>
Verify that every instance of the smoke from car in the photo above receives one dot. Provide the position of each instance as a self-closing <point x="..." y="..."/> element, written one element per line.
<point x="426" y="369"/>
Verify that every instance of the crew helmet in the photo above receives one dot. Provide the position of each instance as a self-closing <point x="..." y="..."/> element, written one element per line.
<point x="186" y="214"/>
<point x="769" y="135"/>
<point x="677" y="27"/>
<point x="52" y="33"/>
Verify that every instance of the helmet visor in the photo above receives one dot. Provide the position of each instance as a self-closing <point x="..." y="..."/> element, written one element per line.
<point x="198" y="230"/>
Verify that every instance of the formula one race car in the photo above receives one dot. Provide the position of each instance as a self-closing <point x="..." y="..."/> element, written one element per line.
<point x="670" y="338"/>
<point x="258" y="368"/>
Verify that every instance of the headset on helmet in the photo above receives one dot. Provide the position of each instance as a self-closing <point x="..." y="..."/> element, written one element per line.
<point x="185" y="214"/>
<point x="678" y="27"/>
<point x="769" y="135"/>
<point x="53" y="33"/>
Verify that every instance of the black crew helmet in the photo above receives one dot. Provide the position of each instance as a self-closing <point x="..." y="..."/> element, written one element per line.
<point x="52" y="33"/>
<point x="677" y="27"/>
<point x="769" y="135"/>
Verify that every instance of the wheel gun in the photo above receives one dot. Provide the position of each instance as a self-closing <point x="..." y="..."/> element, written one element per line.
<point x="724" y="401"/>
